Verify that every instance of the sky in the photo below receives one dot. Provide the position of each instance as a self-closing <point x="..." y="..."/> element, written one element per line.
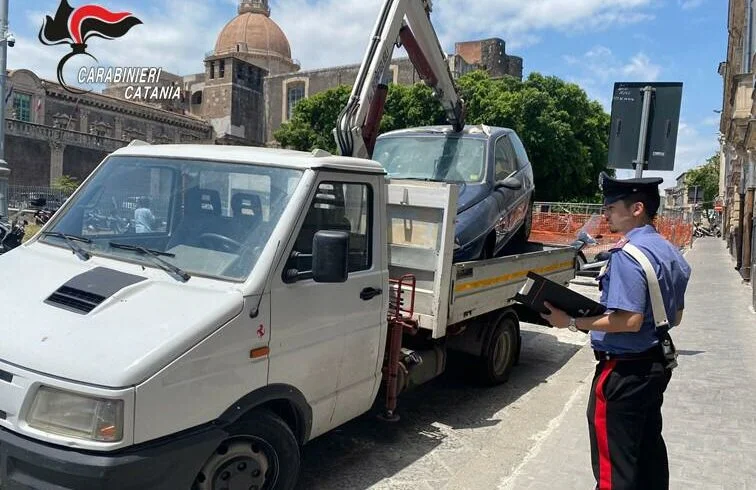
<point x="593" y="43"/>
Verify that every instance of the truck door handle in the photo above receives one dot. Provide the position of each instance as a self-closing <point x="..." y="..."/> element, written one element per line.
<point x="369" y="293"/>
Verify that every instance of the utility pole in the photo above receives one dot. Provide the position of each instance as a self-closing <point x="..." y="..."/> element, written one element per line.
<point x="5" y="40"/>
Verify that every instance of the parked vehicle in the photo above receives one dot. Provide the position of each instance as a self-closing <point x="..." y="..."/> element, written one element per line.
<point x="588" y="236"/>
<point x="11" y="234"/>
<point x="235" y="337"/>
<point x="492" y="169"/>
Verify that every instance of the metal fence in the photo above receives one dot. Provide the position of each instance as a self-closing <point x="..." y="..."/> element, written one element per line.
<point x="21" y="197"/>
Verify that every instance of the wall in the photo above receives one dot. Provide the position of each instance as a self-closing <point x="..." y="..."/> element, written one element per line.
<point x="29" y="161"/>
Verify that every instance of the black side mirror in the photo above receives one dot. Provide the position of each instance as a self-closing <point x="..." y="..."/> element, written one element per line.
<point x="330" y="256"/>
<point x="512" y="183"/>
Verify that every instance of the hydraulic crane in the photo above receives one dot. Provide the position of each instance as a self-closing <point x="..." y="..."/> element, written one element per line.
<point x="400" y="23"/>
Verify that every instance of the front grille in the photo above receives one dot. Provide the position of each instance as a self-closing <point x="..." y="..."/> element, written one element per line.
<point x="75" y="300"/>
<point x="6" y="376"/>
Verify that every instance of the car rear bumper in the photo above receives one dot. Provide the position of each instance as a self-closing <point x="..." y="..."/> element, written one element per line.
<point x="170" y="463"/>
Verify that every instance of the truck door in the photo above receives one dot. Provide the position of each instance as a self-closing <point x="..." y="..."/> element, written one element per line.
<point x="326" y="338"/>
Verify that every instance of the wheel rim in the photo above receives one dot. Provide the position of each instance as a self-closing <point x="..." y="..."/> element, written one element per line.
<point x="500" y="354"/>
<point x="249" y="464"/>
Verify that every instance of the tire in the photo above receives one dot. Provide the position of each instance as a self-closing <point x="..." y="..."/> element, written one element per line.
<point x="487" y="252"/>
<point x="500" y="353"/>
<point x="522" y="235"/>
<point x="261" y="452"/>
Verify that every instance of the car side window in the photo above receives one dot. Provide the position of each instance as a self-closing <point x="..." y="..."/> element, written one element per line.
<point x="506" y="164"/>
<point x="342" y="207"/>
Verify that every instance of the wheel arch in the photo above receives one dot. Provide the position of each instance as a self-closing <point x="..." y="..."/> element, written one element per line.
<point x="283" y="400"/>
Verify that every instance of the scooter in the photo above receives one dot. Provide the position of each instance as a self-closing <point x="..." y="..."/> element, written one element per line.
<point x="584" y="239"/>
<point x="11" y="234"/>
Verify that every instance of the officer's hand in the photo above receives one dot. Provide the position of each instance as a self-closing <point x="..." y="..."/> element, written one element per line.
<point x="557" y="318"/>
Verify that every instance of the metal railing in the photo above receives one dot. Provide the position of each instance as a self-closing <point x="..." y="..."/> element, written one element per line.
<point x="20" y="197"/>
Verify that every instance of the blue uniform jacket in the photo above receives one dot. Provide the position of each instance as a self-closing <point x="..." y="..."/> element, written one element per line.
<point x="624" y="287"/>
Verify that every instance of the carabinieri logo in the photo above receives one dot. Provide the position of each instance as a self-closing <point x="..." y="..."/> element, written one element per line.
<point x="75" y="26"/>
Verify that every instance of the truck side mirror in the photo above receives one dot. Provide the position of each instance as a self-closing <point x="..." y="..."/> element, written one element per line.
<point x="330" y="256"/>
<point x="512" y="183"/>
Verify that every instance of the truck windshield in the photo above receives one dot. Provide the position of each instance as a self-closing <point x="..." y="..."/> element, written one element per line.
<point x="206" y="218"/>
<point x="437" y="158"/>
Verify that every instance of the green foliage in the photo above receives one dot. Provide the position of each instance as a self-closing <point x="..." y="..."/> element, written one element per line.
<point x="66" y="184"/>
<point x="706" y="177"/>
<point x="564" y="133"/>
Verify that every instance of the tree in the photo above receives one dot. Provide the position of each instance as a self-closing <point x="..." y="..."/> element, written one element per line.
<point x="706" y="178"/>
<point x="66" y="184"/>
<point x="564" y="133"/>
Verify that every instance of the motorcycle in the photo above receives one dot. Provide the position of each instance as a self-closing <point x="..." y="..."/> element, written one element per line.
<point x="584" y="239"/>
<point x="11" y="234"/>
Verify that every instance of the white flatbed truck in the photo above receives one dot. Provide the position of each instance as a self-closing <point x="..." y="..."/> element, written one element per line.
<point x="185" y="358"/>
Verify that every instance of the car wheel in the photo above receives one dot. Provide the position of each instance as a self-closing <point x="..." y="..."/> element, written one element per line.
<point x="262" y="452"/>
<point x="523" y="233"/>
<point x="488" y="248"/>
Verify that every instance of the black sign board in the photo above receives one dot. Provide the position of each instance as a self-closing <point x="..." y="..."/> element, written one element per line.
<point x="663" y="121"/>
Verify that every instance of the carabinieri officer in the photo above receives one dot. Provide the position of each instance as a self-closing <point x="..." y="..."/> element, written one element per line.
<point x="624" y="409"/>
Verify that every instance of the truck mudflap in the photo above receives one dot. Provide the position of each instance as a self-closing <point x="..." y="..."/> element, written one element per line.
<point x="167" y="464"/>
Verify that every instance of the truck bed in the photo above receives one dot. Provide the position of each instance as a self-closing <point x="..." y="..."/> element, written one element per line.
<point x="421" y="241"/>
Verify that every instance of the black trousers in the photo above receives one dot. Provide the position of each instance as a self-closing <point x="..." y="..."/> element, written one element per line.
<point x="625" y="425"/>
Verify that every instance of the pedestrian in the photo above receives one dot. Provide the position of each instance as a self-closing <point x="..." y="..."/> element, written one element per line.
<point x="143" y="217"/>
<point x="631" y="342"/>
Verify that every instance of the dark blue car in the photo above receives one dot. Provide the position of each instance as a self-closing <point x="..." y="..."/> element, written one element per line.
<point x="492" y="169"/>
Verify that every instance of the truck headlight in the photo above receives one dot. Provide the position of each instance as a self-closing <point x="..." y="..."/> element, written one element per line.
<point x="73" y="415"/>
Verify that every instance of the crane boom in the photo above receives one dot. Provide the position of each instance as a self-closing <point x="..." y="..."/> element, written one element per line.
<point x="400" y="23"/>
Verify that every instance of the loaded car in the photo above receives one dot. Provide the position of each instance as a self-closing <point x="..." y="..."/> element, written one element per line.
<point x="492" y="169"/>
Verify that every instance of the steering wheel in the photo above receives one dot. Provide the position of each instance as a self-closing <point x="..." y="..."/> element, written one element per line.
<point x="220" y="242"/>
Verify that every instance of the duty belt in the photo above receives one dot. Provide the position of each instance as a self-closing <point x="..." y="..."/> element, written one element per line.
<point x="653" y="354"/>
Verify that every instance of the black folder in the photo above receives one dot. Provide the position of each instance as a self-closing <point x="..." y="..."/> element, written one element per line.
<point x="538" y="289"/>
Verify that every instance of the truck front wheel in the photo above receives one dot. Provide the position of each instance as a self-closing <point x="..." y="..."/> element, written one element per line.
<point x="261" y="453"/>
<point x="500" y="352"/>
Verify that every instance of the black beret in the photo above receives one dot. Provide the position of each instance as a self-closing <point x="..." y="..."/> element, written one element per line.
<point x="616" y="189"/>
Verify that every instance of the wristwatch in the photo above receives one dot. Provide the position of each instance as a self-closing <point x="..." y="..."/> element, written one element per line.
<point x="573" y="325"/>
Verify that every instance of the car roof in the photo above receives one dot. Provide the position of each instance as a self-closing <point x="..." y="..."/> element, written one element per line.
<point x="317" y="159"/>
<point x="470" y="131"/>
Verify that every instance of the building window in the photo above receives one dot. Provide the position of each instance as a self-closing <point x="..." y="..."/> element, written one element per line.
<point x="295" y="93"/>
<point x="240" y="72"/>
<point x="22" y="107"/>
<point x="212" y="70"/>
<point x="221" y="68"/>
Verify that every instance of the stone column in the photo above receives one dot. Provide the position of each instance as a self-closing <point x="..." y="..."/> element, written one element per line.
<point x="84" y="121"/>
<point x="148" y="134"/>
<point x="56" y="160"/>
<point x="118" y="128"/>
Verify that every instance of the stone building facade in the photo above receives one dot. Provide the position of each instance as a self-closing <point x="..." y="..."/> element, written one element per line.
<point x="738" y="135"/>
<point x="249" y="87"/>
<point x="51" y="132"/>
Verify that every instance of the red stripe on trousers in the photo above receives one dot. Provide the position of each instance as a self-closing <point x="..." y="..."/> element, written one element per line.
<point x="602" y="437"/>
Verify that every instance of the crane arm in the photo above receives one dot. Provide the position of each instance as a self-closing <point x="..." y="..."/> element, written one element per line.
<point x="406" y="23"/>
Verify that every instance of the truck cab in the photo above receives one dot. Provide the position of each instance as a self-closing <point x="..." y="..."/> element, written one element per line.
<point x="141" y="356"/>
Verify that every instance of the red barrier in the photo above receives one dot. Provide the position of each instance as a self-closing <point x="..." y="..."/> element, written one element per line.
<point x="562" y="229"/>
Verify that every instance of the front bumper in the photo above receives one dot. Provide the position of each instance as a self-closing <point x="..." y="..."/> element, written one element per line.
<point x="168" y="464"/>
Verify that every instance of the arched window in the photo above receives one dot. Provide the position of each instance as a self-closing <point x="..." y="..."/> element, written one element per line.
<point x="197" y="97"/>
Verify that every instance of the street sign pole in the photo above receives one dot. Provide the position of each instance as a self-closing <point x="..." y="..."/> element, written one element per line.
<point x="640" y="161"/>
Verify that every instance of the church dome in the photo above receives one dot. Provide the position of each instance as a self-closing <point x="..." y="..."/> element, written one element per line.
<point x="253" y="32"/>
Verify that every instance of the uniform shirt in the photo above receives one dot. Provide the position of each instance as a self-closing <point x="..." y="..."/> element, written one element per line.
<point x="624" y="287"/>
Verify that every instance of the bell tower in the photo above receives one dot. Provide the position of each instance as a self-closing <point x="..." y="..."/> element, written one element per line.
<point x="254" y="7"/>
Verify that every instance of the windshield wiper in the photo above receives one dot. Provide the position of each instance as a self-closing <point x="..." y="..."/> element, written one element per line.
<point x="71" y="241"/>
<point x="154" y="255"/>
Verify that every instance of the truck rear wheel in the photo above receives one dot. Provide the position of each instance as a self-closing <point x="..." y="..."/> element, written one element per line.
<point x="500" y="353"/>
<point x="261" y="453"/>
